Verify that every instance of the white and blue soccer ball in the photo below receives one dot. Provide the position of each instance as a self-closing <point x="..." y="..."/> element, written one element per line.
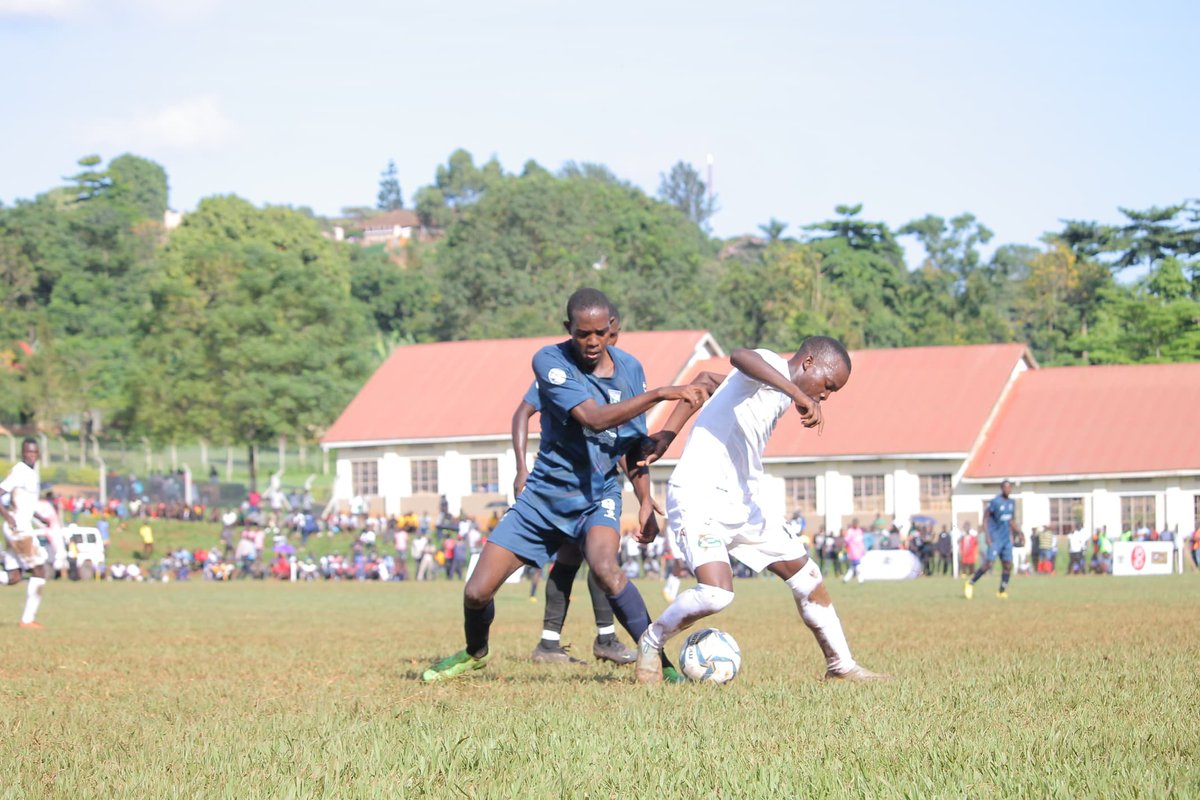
<point x="711" y="656"/>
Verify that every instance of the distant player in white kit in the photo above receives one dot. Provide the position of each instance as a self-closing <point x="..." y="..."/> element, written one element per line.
<point x="23" y="551"/>
<point x="713" y="507"/>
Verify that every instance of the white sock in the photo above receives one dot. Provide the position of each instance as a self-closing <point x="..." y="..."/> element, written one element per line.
<point x="3" y="577"/>
<point x="550" y="636"/>
<point x="696" y="603"/>
<point x="671" y="588"/>
<point x="606" y="630"/>
<point x="33" y="599"/>
<point x="821" y="620"/>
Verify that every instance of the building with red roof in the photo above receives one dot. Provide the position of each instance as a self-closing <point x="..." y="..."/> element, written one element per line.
<point x="920" y="431"/>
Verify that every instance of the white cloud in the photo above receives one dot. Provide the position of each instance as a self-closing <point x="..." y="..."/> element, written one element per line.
<point x="168" y="10"/>
<point x="191" y="124"/>
<point x="40" y="9"/>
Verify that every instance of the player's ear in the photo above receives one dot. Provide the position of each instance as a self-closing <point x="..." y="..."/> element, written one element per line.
<point x="567" y="326"/>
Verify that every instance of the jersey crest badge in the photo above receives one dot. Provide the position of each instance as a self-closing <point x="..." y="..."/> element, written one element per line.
<point x="610" y="507"/>
<point x="614" y="395"/>
<point x="557" y="376"/>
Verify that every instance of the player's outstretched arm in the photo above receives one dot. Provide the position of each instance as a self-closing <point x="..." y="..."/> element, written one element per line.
<point x="520" y="441"/>
<point x="596" y="417"/>
<point x="655" y="445"/>
<point x="755" y="366"/>
<point x="647" y="522"/>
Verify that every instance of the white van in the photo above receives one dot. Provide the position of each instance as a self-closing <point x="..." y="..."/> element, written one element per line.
<point x="89" y="548"/>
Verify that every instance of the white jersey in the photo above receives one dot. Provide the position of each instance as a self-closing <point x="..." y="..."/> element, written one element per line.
<point x="22" y="486"/>
<point x="725" y="448"/>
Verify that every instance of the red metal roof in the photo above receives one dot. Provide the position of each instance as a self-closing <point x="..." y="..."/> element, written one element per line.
<point x="471" y="388"/>
<point x="1095" y="420"/>
<point x="912" y="400"/>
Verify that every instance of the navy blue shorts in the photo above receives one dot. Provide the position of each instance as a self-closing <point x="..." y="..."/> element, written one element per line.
<point x="1000" y="549"/>
<point x="527" y="534"/>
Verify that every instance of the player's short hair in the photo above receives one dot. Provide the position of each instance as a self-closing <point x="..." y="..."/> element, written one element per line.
<point x="29" y="440"/>
<point x="587" y="299"/>
<point x="826" y="348"/>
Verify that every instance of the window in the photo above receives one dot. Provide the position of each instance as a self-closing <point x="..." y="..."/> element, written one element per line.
<point x="935" y="492"/>
<point x="1137" y="510"/>
<point x="424" y="476"/>
<point x="485" y="475"/>
<point x="868" y="494"/>
<point x="801" y="495"/>
<point x="658" y="490"/>
<point x="1066" y="515"/>
<point x="364" y="478"/>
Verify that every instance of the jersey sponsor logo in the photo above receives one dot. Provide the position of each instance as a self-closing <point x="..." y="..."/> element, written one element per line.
<point x="610" y="507"/>
<point x="707" y="541"/>
<point x="557" y="376"/>
<point x="614" y="395"/>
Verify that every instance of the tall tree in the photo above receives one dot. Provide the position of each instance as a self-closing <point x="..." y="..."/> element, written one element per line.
<point x="457" y="184"/>
<point x="507" y="259"/>
<point x="390" y="197"/>
<point x="252" y="332"/>
<point x="684" y="188"/>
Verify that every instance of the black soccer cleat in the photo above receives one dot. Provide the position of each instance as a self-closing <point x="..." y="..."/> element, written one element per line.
<point x="553" y="655"/>
<point x="613" y="651"/>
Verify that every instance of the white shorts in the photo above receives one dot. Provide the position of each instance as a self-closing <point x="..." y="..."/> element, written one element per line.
<point x="24" y="552"/>
<point x="709" y="525"/>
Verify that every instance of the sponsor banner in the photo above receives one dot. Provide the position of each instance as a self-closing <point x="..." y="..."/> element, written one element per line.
<point x="1142" y="558"/>
<point x="889" y="565"/>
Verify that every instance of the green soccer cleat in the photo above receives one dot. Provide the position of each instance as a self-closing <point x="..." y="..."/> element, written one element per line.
<point x="672" y="675"/>
<point x="455" y="666"/>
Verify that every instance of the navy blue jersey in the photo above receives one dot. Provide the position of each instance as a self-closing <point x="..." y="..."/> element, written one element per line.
<point x="531" y="397"/>
<point x="576" y="467"/>
<point x="1000" y="515"/>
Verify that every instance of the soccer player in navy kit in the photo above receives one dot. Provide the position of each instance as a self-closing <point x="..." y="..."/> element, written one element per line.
<point x="593" y="401"/>
<point x="1000" y="518"/>
<point x="549" y="649"/>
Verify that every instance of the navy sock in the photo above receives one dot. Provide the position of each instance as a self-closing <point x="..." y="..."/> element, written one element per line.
<point x="476" y="623"/>
<point x="630" y="610"/>
<point x="978" y="574"/>
<point x="1004" y="581"/>
<point x="558" y="599"/>
<point x="601" y="608"/>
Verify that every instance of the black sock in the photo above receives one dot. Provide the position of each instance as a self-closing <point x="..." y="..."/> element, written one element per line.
<point x="601" y="608"/>
<point x="558" y="599"/>
<point x="476" y="623"/>
<point x="1004" y="581"/>
<point x="978" y="574"/>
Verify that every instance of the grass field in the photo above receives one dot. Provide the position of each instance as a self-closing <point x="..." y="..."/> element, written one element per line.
<point x="1075" y="687"/>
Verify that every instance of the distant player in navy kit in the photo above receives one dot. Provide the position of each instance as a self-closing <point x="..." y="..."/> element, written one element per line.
<point x="1000" y="519"/>
<point x="594" y="401"/>
<point x="549" y="649"/>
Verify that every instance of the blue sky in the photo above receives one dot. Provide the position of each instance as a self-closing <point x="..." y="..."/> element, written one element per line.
<point x="1022" y="113"/>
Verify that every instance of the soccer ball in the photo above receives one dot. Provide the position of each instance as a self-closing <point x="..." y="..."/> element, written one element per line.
<point x="710" y="655"/>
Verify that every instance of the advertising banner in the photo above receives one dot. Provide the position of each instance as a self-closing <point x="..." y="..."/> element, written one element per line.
<point x="1142" y="558"/>
<point x="889" y="565"/>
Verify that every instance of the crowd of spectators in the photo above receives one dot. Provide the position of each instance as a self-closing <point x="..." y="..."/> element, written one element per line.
<point x="263" y="539"/>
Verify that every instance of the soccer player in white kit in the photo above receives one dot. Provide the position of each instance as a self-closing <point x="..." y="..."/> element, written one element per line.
<point x="23" y="550"/>
<point x="713" y="508"/>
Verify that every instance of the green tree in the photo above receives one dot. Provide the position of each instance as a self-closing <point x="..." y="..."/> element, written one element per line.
<point x="252" y="332"/>
<point x="684" y="188"/>
<point x="140" y="185"/>
<point x="390" y="196"/>
<point x="457" y="184"/>
<point x="509" y="260"/>
<point x="401" y="301"/>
